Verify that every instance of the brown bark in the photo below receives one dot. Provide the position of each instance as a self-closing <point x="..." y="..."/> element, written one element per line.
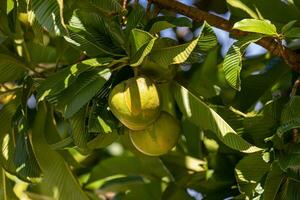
<point x="274" y="47"/>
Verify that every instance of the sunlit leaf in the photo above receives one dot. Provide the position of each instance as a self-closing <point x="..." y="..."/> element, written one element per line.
<point x="194" y="109"/>
<point x="256" y="26"/>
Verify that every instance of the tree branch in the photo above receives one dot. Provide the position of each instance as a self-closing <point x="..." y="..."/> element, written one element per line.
<point x="275" y="48"/>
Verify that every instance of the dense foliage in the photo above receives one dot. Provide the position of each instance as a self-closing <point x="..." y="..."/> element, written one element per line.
<point x="224" y="126"/>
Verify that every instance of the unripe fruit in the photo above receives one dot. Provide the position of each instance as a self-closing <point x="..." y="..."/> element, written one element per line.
<point x="135" y="102"/>
<point x="159" y="138"/>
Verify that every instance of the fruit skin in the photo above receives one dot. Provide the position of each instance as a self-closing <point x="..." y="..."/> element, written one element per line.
<point x="159" y="138"/>
<point x="135" y="102"/>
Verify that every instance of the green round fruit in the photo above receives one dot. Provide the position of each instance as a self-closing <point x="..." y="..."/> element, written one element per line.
<point x="135" y="102"/>
<point x="158" y="138"/>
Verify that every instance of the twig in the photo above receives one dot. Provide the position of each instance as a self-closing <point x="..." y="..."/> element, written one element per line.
<point x="295" y="87"/>
<point x="277" y="49"/>
<point x="148" y="8"/>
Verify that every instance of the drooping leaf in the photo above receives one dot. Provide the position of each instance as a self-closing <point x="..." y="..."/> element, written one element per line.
<point x="233" y="60"/>
<point x="256" y="26"/>
<point x="57" y="174"/>
<point x="194" y="109"/>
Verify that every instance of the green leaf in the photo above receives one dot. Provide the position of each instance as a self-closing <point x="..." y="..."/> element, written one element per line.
<point x="124" y="165"/>
<point x="2" y="37"/>
<point x="138" y="38"/>
<point x="206" y="118"/>
<point x="140" y="55"/>
<point x="164" y="22"/>
<point x="273" y="182"/>
<point x="108" y="7"/>
<point x="192" y="135"/>
<point x="289" y="162"/>
<point x="103" y="140"/>
<point x="249" y="172"/>
<point x="174" y="54"/>
<point x="241" y="9"/>
<point x="207" y="39"/>
<point x="290" y="118"/>
<point x="48" y="15"/>
<point x="103" y="123"/>
<point x="57" y="82"/>
<point x="165" y="56"/>
<point x="289" y="190"/>
<point x="256" y="85"/>
<point x="207" y="73"/>
<point x="256" y="26"/>
<point x="288" y="26"/>
<point x="10" y="6"/>
<point x="57" y="174"/>
<point x="263" y="125"/>
<point x="292" y="33"/>
<point x="176" y="192"/>
<point x="233" y="60"/>
<point x="6" y="187"/>
<point x="79" y="133"/>
<point x="11" y="69"/>
<point x="148" y="191"/>
<point x="241" y="6"/>
<point x="7" y="143"/>
<point x="87" y="85"/>
<point x="90" y="33"/>
<point x="24" y="159"/>
<point x="42" y="54"/>
<point x="135" y="18"/>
